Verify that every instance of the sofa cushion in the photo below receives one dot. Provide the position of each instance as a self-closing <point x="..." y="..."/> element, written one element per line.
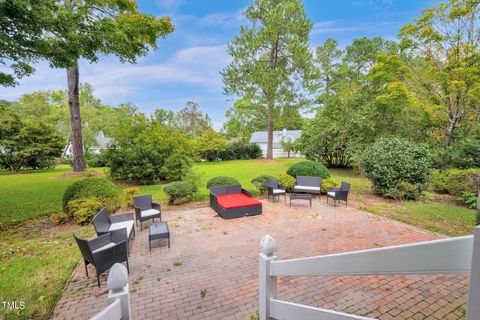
<point x="149" y="213"/>
<point x="236" y="200"/>
<point x="109" y="245"/>
<point x="281" y="191"/>
<point x="332" y="194"/>
<point x="123" y="224"/>
<point x="307" y="188"/>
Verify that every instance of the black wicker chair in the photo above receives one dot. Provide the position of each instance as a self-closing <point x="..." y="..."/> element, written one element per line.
<point x="105" y="223"/>
<point x="145" y="209"/>
<point x="104" y="251"/>
<point x="340" y="194"/>
<point x="275" y="190"/>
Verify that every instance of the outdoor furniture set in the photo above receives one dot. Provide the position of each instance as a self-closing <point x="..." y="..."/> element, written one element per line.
<point x="114" y="232"/>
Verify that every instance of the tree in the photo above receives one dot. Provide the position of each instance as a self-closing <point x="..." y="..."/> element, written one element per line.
<point x="191" y="120"/>
<point x="25" y="144"/>
<point x="243" y="118"/>
<point x="210" y="144"/>
<point x="445" y="72"/>
<point x="22" y="36"/>
<point x="165" y="117"/>
<point x="271" y="63"/>
<point x="84" y="30"/>
<point x="288" y="146"/>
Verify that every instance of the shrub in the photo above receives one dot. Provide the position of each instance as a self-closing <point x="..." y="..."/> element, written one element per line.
<point x="328" y="183"/>
<point x="222" y="181"/>
<point x="102" y="188"/>
<point x="260" y="182"/>
<point x="179" y="190"/>
<point x="84" y="209"/>
<point x="456" y="181"/>
<point x="241" y="151"/>
<point x="210" y="144"/>
<point x="397" y="168"/>
<point x="25" y="144"/>
<point x="308" y="168"/>
<point x="175" y="167"/>
<point x="129" y="193"/>
<point x="287" y="181"/>
<point x="150" y="155"/>
<point x="95" y="160"/>
<point x="469" y="199"/>
<point x="59" y="218"/>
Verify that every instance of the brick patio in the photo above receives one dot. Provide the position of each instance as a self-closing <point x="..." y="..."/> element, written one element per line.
<point x="221" y="257"/>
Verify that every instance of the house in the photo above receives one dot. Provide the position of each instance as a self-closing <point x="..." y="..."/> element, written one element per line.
<point x="101" y="143"/>
<point x="261" y="138"/>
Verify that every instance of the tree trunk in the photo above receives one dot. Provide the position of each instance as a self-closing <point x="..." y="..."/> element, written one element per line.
<point x="75" y="120"/>
<point x="270" y="131"/>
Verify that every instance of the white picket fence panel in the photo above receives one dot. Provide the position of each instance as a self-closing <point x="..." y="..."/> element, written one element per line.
<point x="446" y="256"/>
<point x="118" y="296"/>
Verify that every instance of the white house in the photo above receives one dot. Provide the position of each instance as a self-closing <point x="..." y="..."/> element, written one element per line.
<point x="101" y="144"/>
<point x="261" y="138"/>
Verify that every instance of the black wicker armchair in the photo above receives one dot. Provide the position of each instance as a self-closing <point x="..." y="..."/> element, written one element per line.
<point x="145" y="209"/>
<point x="104" y="251"/>
<point x="276" y="190"/>
<point x="105" y="223"/>
<point x="339" y="193"/>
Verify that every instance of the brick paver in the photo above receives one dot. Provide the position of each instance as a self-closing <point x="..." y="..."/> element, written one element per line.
<point x="221" y="257"/>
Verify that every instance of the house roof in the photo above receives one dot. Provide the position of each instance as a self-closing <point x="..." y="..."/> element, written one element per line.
<point x="102" y="141"/>
<point x="278" y="136"/>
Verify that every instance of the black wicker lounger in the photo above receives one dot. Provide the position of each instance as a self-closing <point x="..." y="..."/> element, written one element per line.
<point x="234" y="202"/>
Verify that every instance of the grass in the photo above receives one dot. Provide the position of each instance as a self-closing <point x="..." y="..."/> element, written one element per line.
<point x="31" y="194"/>
<point x="34" y="267"/>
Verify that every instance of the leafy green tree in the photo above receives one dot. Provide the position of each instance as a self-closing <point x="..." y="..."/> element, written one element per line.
<point x="25" y="144"/>
<point x="165" y="117"/>
<point x="445" y="73"/>
<point x="271" y="58"/>
<point x="210" y="144"/>
<point x="243" y="118"/>
<point x="191" y="120"/>
<point x="22" y="36"/>
<point x="77" y="30"/>
<point x="288" y="146"/>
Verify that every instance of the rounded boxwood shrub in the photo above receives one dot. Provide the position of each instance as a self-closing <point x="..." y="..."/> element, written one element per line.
<point x="309" y="168"/>
<point x="397" y="168"/>
<point x="101" y="188"/>
<point x="456" y="181"/>
<point x="84" y="209"/>
<point x="179" y="190"/>
<point x="221" y="181"/>
<point x="286" y="180"/>
<point x="261" y="182"/>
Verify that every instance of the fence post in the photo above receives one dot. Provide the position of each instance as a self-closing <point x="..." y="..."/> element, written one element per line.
<point x="117" y="284"/>
<point x="268" y="284"/>
<point x="473" y="305"/>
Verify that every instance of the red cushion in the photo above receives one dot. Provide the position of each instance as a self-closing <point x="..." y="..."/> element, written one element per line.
<point x="236" y="200"/>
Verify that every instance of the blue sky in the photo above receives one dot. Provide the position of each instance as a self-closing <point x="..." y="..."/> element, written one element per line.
<point x="186" y="66"/>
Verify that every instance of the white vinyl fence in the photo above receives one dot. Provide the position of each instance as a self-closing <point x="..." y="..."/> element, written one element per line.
<point x="454" y="255"/>
<point x="118" y="296"/>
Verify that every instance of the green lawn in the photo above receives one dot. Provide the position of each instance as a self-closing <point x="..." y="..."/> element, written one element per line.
<point x="35" y="264"/>
<point x="32" y="194"/>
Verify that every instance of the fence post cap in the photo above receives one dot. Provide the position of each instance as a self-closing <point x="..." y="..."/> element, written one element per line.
<point x="117" y="277"/>
<point x="268" y="245"/>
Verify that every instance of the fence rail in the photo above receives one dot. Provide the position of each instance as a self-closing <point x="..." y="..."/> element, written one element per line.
<point x="454" y="255"/>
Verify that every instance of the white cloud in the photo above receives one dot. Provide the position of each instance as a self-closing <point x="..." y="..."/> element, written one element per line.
<point x="222" y="19"/>
<point x="343" y="26"/>
<point x="197" y="66"/>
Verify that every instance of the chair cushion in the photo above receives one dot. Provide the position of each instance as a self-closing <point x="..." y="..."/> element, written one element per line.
<point x="307" y="188"/>
<point x="109" y="245"/>
<point x="123" y="224"/>
<point x="149" y="213"/>
<point x="236" y="200"/>
<point x="278" y="191"/>
<point x="331" y="194"/>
